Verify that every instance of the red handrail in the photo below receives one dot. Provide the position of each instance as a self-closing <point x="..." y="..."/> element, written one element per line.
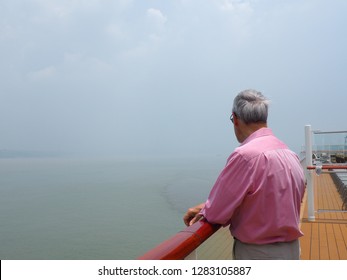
<point x="328" y="167"/>
<point x="183" y="243"/>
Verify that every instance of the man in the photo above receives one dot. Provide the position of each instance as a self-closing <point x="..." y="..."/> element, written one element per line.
<point x="259" y="192"/>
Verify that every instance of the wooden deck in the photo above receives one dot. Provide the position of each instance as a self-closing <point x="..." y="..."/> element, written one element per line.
<point x="218" y="247"/>
<point x="326" y="237"/>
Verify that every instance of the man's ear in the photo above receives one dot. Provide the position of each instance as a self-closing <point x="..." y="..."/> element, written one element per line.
<point x="236" y="120"/>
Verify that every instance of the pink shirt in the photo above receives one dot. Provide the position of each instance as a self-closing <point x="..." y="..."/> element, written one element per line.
<point x="259" y="191"/>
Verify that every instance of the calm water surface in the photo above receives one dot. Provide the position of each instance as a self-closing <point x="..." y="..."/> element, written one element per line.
<point x="96" y="209"/>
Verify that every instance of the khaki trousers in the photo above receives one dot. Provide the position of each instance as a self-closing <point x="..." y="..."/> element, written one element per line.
<point x="273" y="251"/>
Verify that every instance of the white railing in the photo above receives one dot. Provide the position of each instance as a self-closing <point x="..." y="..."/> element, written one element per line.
<point x="309" y="168"/>
<point x="309" y="181"/>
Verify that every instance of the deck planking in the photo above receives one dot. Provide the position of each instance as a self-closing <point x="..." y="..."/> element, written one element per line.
<point x="326" y="237"/>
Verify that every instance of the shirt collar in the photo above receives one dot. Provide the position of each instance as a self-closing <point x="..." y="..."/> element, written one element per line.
<point x="265" y="131"/>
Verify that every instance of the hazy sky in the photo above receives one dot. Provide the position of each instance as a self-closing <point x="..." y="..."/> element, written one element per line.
<point x="110" y="77"/>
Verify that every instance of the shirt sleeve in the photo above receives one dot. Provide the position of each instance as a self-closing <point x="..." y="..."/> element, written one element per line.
<point x="228" y="192"/>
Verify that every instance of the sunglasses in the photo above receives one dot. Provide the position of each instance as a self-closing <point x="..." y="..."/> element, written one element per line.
<point x="232" y="117"/>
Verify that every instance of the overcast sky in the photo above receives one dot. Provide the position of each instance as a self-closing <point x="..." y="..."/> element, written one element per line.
<point x="107" y="77"/>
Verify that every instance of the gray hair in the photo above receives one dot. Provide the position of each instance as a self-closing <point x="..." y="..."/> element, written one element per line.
<point x="251" y="106"/>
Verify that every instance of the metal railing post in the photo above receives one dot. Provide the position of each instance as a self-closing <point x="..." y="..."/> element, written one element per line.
<point x="310" y="193"/>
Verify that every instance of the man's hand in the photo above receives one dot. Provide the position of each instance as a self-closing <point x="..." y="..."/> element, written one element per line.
<point x="192" y="215"/>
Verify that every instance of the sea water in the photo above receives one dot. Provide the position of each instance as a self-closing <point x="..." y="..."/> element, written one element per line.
<point x="97" y="208"/>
